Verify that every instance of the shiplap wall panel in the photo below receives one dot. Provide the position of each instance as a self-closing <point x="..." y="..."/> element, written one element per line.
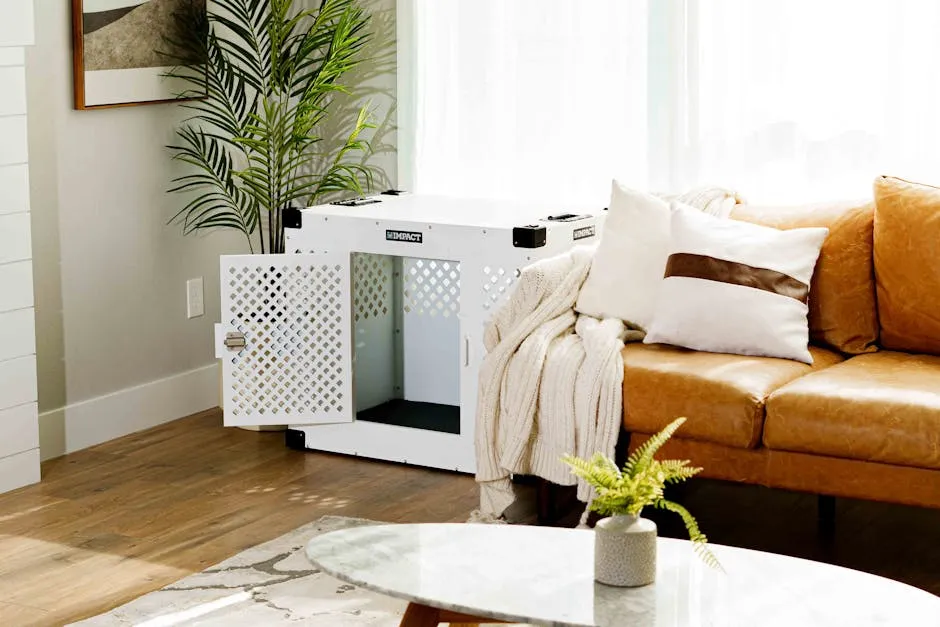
<point x="16" y="288"/>
<point x="19" y="423"/>
<point x="17" y="333"/>
<point x="12" y="56"/>
<point x="13" y="90"/>
<point x="13" y="147"/>
<point x="14" y="238"/>
<point x="14" y="188"/>
<point x="20" y="426"/>
<point x="20" y="469"/>
<point x="18" y="381"/>
<point x="16" y="25"/>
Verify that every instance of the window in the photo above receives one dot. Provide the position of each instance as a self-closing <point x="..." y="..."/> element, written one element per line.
<point x="782" y="101"/>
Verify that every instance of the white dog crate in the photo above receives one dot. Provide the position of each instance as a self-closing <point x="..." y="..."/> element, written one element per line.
<point x="366" y="338"/>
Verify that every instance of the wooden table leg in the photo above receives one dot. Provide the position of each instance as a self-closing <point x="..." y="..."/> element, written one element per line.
<point x="417" y="615"/>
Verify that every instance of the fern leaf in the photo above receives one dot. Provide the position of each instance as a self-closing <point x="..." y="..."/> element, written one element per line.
<point x="699" y="540"/>
<point x="677" y="471"/>
<point x="599" y="471"/>
<point x="641" y="457"/>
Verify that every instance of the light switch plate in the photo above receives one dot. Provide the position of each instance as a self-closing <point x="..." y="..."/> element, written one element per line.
<point x="195" y="304"/>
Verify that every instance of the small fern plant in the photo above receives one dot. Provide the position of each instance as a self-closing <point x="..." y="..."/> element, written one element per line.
<point x="640" y="484"/>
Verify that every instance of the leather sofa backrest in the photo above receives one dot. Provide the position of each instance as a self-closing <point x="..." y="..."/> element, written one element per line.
<point x="907" y="264"/>
<point x="842" y="308"/>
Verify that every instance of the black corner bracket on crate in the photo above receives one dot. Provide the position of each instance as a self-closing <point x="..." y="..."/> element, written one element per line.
<point x="293" y="218"/>
<point x="295" y="439"/>
<point x="529" y="236"/>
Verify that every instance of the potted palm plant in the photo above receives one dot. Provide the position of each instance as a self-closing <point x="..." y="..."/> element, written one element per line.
<point x="625" y="543"/>
<point x="266" y="83"/>
<point x="262" y="80"/>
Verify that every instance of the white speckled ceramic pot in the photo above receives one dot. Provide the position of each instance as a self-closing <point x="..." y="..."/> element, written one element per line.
<point x="625" y="551"/>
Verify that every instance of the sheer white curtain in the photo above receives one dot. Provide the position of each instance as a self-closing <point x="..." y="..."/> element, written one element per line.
<point x="809" y="99"/>
<point x="783" y="101"/>
<point x="528" y="99"/>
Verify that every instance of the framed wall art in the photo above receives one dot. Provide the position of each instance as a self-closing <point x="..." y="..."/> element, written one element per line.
<point x="120" y="50"/>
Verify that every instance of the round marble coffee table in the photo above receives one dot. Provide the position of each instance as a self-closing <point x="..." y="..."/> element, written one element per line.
<point x="467" y="574"/>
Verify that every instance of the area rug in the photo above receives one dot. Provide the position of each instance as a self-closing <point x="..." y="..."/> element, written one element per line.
<point x="270" y="584"/>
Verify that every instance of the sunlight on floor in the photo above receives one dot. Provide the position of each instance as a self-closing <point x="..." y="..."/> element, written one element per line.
<point x="32" y="567"/>
<point x="177" y="618"/>
<point x="259" y="490"/>
<point x="16" y="515"/>
<point x="298" y="495"/>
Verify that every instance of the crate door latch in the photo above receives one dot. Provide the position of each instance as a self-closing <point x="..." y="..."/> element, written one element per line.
<point x="234" y="340"/>
<point x="228" y="341"/>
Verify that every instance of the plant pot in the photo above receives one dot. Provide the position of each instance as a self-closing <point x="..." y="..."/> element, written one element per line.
<point x="625" y="551"/>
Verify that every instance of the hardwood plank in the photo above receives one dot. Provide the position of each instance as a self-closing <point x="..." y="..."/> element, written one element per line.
<point x="123" y="518"/>
<point x="22" y="615"/>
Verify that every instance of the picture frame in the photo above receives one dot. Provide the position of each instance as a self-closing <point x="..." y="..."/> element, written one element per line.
<point x="117" y="52"/>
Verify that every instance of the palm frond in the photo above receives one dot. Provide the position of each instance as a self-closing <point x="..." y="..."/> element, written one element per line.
<point x="269" y="73"/>
<point x="343" y="173"/>
<point x="219" y="201"/>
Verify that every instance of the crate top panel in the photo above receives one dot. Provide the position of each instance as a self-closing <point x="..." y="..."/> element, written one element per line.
<point x="422" y="209"/>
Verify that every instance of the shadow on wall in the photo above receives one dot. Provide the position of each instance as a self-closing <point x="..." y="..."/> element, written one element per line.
<point x="44" y="201"/>
<point x="373" y="84"/>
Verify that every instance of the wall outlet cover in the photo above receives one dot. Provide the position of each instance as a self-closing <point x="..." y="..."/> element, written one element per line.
<point x="195" y="303"/>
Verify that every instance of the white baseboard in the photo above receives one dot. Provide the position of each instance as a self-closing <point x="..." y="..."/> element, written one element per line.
<point x="80" y="425"/>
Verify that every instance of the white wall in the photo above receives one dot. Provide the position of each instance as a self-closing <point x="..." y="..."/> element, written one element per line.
<point x="116" y="352"/>
<point x="19" y="439"/>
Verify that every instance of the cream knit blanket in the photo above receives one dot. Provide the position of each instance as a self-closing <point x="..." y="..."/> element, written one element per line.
<point x="551" y="382"/>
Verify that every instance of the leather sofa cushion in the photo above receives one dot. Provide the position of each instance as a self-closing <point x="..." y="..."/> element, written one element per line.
<point x="721" y="395"/>
<point x="802" y="472"/>
<point x="883" y="407"/>
<point x="907" y="264"/>
<point x="842" y="309"/>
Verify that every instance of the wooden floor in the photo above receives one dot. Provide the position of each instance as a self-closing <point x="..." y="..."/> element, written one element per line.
<point x="121" y="519"/>
<point x="110" y="523"/>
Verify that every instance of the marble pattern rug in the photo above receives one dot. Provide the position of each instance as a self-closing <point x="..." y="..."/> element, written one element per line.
<point x="270" y="584"/>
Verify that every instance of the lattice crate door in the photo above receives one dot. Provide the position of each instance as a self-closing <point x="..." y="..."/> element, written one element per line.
<point x="286" y="321"/>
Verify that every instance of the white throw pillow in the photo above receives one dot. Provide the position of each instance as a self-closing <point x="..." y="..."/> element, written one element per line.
<point x="734" y="287"/>
<point x="628" y="265"/>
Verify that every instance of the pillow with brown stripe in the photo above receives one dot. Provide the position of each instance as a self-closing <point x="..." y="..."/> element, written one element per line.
<point x="734" y="287"/>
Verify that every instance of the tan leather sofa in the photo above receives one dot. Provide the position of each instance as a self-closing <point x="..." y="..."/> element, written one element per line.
<point x="863" y="420"/>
